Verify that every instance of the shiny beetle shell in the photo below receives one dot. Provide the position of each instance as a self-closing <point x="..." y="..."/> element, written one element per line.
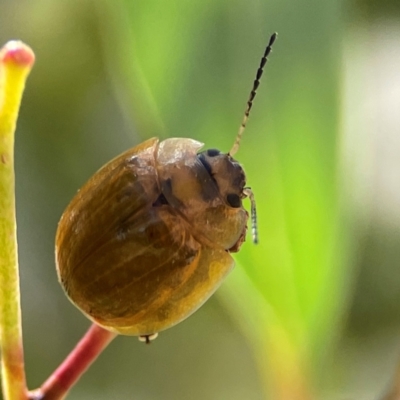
<point x="146" y="241"/>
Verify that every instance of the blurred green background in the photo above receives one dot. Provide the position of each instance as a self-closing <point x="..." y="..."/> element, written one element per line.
<point x="313" y="311"/>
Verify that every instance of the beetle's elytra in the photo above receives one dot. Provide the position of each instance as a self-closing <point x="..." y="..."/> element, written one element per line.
<point x="147" y="240"/>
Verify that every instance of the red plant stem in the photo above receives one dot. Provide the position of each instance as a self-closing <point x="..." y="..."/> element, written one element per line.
<point x="82" y="356"/>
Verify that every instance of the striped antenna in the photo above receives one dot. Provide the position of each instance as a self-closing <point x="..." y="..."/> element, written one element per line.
<point x="256" y="83"/>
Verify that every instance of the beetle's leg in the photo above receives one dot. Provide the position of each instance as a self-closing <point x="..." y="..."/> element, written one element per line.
<point x="147" y="338"/>
<point x="254" y="232"/>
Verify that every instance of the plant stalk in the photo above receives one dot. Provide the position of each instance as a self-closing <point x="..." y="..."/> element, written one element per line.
<point x="16" y="61"/>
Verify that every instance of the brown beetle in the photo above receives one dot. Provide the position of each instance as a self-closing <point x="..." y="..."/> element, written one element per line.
<point x="146" y="241"/>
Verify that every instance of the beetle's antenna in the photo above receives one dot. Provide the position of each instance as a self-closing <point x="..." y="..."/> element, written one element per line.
<point x="254" y="232"/>
<point x="256" y="83"/>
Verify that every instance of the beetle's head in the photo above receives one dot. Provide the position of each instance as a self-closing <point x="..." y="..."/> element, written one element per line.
<point x="227" y="174"/>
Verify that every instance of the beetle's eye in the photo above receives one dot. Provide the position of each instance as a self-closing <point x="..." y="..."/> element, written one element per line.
<point x="233" y="200"/>
<point x="213" y="152"/>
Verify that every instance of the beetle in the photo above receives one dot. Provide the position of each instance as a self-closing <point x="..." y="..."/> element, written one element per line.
<point x="147" y="240"/>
